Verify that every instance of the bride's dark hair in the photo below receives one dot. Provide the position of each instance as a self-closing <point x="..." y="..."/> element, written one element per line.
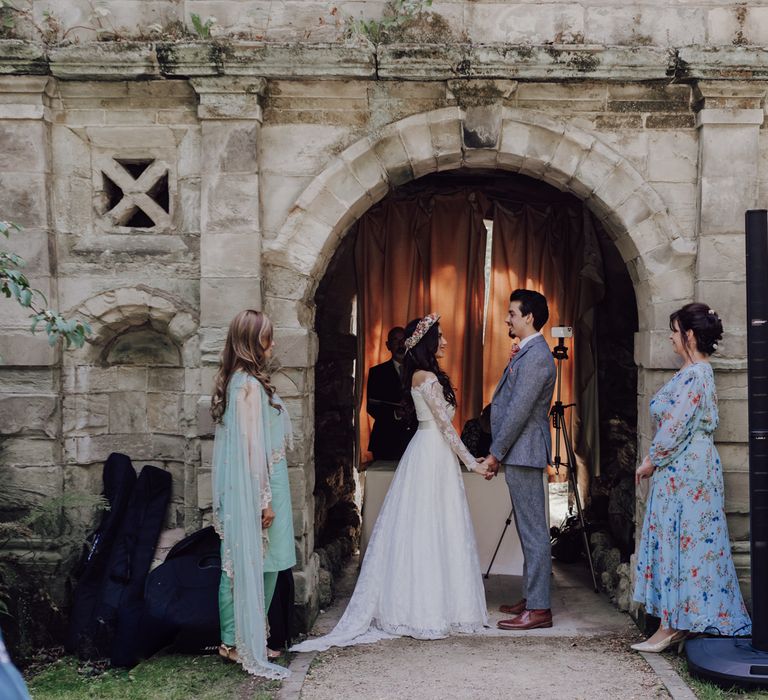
<point x="422" y="356"/>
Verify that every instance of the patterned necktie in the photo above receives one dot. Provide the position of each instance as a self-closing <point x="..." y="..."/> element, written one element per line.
<point x="512" y="352"/>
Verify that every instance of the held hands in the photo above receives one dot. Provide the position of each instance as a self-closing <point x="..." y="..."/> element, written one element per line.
<point x="489" y="467"/>
<point x="267" y="517"/>
<point x="644" y="471"/>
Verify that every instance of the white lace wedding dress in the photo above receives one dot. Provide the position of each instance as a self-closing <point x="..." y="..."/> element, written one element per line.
<point x="421" y="574"/>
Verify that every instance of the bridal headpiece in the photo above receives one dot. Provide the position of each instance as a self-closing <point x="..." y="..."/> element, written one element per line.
<point x="421" y="330"/>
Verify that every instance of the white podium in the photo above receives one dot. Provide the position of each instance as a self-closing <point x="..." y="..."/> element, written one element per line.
<point x="489" y="505"/>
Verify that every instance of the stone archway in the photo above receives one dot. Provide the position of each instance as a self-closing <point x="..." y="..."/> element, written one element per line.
<point x="659" y="259"/>
<point x="132" y="388"/>
<point x="524" y="141"/>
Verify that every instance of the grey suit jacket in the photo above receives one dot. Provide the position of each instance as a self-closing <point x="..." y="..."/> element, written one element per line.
<point x="520" y="407"/>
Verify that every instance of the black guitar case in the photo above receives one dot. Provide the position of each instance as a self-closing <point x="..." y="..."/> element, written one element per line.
<point x="123" y="593"/>
<point x="119" y="479"/>
<point x="181" y="606"/>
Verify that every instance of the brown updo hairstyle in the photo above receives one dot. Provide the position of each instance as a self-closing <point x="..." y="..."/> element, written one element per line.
<point x="703" y="321"/>
<point x="248" y="338"/>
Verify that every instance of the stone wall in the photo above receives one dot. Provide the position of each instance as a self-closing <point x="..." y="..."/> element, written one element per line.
<point x="166" y="183"/>
<point x="590" y="22"/>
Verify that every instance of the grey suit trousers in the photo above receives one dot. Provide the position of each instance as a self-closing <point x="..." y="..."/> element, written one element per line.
<point x="526" y="488"/>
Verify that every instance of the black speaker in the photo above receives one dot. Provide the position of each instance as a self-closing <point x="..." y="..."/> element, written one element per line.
<point x="757" y="351"/>
<point x="732" y="661"/>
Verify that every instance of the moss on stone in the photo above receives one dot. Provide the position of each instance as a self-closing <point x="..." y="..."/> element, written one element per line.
<point x="476" y="93"/>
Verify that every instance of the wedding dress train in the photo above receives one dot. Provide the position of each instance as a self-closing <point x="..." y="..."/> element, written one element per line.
<point x="421" y="574"/>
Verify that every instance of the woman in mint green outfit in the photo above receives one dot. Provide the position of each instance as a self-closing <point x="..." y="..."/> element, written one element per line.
<point x="251" y="495"/>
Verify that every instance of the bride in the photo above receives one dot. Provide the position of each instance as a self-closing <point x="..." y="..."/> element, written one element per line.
<point x="421" y="574"/>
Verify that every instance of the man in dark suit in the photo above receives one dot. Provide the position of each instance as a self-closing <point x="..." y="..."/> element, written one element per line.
<point x="521" y="442"/>
<point x="391" y="429"/>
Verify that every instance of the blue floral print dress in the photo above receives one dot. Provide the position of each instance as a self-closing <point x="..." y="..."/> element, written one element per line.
<point x="685" y="573"/>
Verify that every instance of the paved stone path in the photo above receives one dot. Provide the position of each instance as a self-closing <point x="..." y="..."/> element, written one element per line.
<point x="585" y="655"/>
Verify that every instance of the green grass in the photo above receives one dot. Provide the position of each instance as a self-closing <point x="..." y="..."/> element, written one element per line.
<point x="709" y="691"/>
<point x="168" y="677"/>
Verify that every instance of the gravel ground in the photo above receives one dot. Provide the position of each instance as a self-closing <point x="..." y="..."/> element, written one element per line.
<point x="485" y="667"/>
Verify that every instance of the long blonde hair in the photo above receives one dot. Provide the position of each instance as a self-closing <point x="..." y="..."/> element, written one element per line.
<point x="248" y="338"/>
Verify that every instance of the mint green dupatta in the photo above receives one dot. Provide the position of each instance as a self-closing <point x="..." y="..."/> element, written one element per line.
<point x="240" y="492"/>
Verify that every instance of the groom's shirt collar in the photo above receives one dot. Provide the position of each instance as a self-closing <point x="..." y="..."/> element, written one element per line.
<point x="528" y="339"/>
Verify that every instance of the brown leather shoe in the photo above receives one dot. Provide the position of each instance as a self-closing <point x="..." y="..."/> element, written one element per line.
<point x="514" y="609"/>
<point x="528" y="620"/>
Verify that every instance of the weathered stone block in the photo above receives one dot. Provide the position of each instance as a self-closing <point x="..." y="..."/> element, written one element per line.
<point x="733" y="421"/>
<point x="29" y="415"/>
<point x="205" y="425"/>
<point x="26" y="350"/>
<point x="295" y="347"/>
<point x="211" y="344"/>
<point x="204" y="489"/>
<point x="23" y="147"/>
<point x="230" y="255"/>
<point x="25" y="451"/>
<point x="182" y="326"/>
<point x="721" y="257"/>
<point x="86" y="414"/>
<point x="367" y="169"/>
<point x="515" y="23"/>
<point x="724" y="199"/>
<point x="653" y="350"/>
<point x="300" y="149"/>
<point x="307" y="581"/>
<point x="230" y="204"/>
<point x="163" y="413"/>
<point x="390" y="150"/>
<point x="230" y="147"/>
<point x="104" y="379"/>
<point x="24" y="198"/>
<point x="23" y="486"/>
<point x="127" y="412"/>
<point x="166" y="379"/>
<point x="736" y="492"/>
<point x="188" y="211"/>
<point x="222" y="298"/>
<point x="643" y="25"/>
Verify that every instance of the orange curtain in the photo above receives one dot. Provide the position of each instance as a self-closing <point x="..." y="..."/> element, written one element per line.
<point x="415" y="255"/>
<point x="551" y="249"/>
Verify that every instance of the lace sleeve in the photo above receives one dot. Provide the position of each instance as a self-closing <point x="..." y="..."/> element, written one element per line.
<point x="432" y="393"/>
<point x="251" y="427"/>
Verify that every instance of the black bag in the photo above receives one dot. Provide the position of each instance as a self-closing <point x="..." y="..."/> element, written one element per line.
<point x="119" y="479"/>
<point x="181" y="603"/>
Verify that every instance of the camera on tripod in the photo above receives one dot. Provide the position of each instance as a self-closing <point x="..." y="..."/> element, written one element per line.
<point x="561" y="333"/>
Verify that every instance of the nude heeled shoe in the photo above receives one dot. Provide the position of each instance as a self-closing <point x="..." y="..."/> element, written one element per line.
<point x="656" y="648"/>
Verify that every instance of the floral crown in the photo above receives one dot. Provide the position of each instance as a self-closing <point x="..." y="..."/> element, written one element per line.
<point x="421" y="330"/>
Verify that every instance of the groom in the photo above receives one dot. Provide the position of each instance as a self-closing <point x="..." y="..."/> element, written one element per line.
<point x="521" y="442"/>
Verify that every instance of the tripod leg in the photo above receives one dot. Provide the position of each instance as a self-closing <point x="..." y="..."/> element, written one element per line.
<point x="498" y="544"/>
<point x="572" y="476"/>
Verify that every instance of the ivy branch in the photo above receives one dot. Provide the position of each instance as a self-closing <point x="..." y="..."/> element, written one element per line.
<point x="15" y="285"/>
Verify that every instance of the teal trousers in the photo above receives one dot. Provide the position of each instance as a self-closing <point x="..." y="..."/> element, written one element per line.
<point x="227" y="604"/>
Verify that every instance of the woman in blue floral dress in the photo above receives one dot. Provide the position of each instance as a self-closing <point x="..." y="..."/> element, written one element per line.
<point x="685" y="574"/>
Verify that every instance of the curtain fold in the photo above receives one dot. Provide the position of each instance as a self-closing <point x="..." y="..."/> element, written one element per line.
<point x="415" y="255"/>
<point x="553" y="250"/>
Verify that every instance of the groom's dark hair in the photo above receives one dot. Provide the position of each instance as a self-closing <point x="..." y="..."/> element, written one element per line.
<point x="532" y="303"/>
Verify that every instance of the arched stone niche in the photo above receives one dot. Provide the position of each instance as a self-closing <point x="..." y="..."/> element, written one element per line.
<point x="659" y="259"/>
<point x="133" y="388"/>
